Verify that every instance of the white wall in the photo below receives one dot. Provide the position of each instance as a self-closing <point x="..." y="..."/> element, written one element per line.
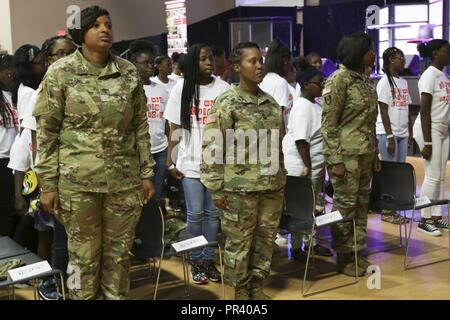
<point x="33" y="21"/>
<point x="5" y="27"/>
<point x="270" y="3"/>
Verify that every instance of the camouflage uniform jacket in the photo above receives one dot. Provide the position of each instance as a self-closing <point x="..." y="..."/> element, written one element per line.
<point x="236" y="110"/>
<point x="349" y="115"/>
<point x="92" y="130"/>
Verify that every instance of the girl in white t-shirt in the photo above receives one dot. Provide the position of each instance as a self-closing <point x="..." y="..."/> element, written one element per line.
<point x="394" y="126"/>
<point x="277" y="65"/>
<point x="302" y="144"/>
<point x="9" y="125"/>
<point x="187" y="110"/>
<point x="142" y="54"/>
<point x="163" y="69"/>
<point x="431" y="131"/>
<point x="177" y="68"/>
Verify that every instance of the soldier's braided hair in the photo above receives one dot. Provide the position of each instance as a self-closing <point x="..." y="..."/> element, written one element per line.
<point x="191" y="89"/>
<point x="236" y="55"/>
<point x="388" y="54"/>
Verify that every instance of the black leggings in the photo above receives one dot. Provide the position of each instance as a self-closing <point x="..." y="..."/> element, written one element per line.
<point x="8" y="217"/>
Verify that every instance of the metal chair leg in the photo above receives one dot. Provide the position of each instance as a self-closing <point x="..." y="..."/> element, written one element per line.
<point x="63" y="290"/>
<point x="158" y="274"/>
<point x="354" y="249"/>
<point x="405" y="263"/>
<point x="222" y="270"/>
<point x="307" y="265"/>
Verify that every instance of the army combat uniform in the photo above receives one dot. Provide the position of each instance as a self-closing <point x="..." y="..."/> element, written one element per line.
<point x="93" y="148"/>
<point x="348" y="129"/>
<point x="253" y="192"/>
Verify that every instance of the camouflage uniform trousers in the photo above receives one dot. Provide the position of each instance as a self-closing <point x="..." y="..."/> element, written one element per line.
<point x="351" y="198"/>
<point x="100" y="229"/>
<point x="250" y="227"/>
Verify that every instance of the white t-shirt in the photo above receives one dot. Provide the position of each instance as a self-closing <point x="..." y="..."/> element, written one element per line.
<point x="157" y="97"/>
<point x="168" y="86"/>
<point x="8" y="128"/>
<point x="21" y="156"/>
<point x="175" y="77"/>
<point x="304" y="124"/>
<point x="278" y="88"/>
<point x="24" y="95"/>
<point x="436" y="83"/>
<point x="398" y="108"/>
<point x="287" y="110"/>
<point x="190" y="146"/>
<point x="28" y="121"/>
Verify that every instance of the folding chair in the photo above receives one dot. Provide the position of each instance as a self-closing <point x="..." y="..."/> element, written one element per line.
<point x="299" y="217"/>
<point x="185" y="261"/>
<point x="11" y="250"/>
<point x="150" y="231"/>
<point x="395" y="189"/>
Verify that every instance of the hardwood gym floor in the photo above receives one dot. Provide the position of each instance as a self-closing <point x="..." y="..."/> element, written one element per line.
<point x="428" y="282"/>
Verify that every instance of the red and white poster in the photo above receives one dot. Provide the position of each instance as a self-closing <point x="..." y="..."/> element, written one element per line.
<point x="176" y="26"/>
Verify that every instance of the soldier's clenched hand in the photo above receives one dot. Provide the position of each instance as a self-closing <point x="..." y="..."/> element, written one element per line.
<point x="426" y="152"/>
<point x="50" y="202"/>
<point x="220" y="201"/>
<point x="149" y="190"/>
<point x="339" y="170"/>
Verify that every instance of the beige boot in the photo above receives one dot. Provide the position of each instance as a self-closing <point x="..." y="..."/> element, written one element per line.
<point x="346" y="265"/>
<point x="241" y="293"/>
<point x="256" y="290"/>
<point x="363" y="262"/>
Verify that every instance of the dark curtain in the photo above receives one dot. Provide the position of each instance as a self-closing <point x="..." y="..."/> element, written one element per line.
<point x="160" y="41"/>
<point x="324" y="26"/>
<point x="216" y="30"/>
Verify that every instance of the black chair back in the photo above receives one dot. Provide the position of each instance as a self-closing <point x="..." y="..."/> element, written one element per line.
<point x="394" y="185"/>
<point x="299" y="204"/>
<point x="149" y="232"/>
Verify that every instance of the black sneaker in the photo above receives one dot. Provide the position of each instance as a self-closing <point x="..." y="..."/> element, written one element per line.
<point x="441" y="224"/>
<point x="299" y="255"/>
<point x="428" y="228"/>
<point x="47" y="290"/>
<point x="211" y="271"/>
<point x="198" y="274"/>
<point x="320" y="250"/>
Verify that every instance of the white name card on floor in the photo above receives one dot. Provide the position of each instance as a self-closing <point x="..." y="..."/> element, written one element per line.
<point x="190" y="244"/>
<point x="422" y="201"/>
<point x="29" y="271"/>
<point x="328" y="218"/>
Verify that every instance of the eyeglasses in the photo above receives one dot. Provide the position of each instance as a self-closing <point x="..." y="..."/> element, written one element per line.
<point x="146" y="63"/>
<point x="60" y="54"/>
<point x="400" y="58"/>
<point x="319" y="83"/>
<point x="42" y="63"/>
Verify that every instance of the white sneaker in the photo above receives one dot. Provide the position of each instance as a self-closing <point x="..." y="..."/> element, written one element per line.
<point x="281" y="240"/>
<point x="429" y="229"/>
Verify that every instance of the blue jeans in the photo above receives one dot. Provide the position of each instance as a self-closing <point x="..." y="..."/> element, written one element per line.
<point x="401" y="148"/>
<point x="202" y="216"/>
<point x="160" y="173"/>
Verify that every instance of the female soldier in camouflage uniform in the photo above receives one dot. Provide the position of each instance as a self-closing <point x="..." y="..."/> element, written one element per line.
<point x="250" y="196"/>
<point x="93" y="161"/>
<point x="350" y="145"/>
